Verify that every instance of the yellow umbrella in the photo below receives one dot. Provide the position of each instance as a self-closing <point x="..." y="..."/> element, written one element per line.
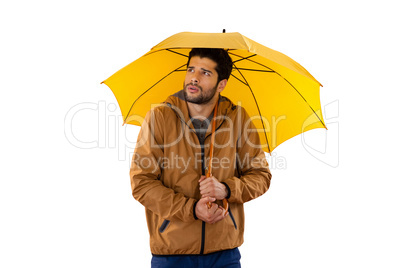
<point x="281" y="97"/>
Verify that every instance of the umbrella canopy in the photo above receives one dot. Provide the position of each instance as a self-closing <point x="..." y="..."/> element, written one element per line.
<point x="281" y="97"/>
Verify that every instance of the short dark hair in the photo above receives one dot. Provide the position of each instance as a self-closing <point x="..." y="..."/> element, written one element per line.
<point x="220" y="56"/>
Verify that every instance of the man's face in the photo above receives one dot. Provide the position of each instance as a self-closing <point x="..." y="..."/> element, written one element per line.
<point x="201" y="82"/>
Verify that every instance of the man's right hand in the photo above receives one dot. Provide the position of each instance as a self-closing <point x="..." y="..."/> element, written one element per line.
<point x="209" y="215"/>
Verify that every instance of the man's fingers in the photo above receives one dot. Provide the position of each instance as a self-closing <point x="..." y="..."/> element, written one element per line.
<point x="207" y="199"/>
<point x="219" y="215"/>
<point x="204" y="182"/>
<point x="207" y="187"/>
<point x="207" y="180"/>
<point x="210" y="215"/>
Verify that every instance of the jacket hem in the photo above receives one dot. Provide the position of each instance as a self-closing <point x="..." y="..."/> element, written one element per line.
<point x="184" y="255"/>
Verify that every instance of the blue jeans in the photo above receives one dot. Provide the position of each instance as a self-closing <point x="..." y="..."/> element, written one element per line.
<point x="222" y="259"/>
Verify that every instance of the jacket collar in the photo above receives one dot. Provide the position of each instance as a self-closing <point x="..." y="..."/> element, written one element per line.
<point x="178" y="104"/>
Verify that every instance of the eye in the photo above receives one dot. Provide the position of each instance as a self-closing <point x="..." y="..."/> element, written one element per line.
<point x="207" y="73"/>
<point x="190" y="70"/>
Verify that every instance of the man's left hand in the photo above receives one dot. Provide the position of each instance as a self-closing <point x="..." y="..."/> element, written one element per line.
<point x="213" y="188"/>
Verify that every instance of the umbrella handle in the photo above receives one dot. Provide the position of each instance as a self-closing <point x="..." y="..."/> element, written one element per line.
<point x="211" y="151"/>
<point x="225" y="205"/>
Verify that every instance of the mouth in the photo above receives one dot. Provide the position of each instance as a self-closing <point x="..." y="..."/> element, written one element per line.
<point x="192" y="88"/>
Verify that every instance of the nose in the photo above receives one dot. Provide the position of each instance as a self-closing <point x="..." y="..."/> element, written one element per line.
<point x="194" y="79"/>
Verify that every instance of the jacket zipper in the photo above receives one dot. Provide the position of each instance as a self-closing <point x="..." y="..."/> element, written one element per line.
<point x="203" y="223"/>
<point x="202" y="172"/>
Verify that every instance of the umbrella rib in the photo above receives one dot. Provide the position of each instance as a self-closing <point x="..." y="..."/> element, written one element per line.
<point x="302" y="98"/>
<point x="248" y="58"/>
<point x="242" y="58"/>
<point x="256" y="103"/>
<point x="177" y="53"/>
<point x="265" y="71"/>
<point x="239" y="79"/>
<point x="177" y="69"/>
<point x="152" y="52"/>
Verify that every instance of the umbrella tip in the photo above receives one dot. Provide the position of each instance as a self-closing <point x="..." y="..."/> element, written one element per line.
<point x="224" y="31"/>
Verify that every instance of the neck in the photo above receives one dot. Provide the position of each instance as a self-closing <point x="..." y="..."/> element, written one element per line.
<point x="202" y="110"/>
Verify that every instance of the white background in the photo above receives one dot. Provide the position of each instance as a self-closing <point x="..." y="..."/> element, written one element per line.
<point x="335" y="196"/>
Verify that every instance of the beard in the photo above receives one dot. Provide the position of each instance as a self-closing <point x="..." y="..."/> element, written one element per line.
<point x="203" y="97"/>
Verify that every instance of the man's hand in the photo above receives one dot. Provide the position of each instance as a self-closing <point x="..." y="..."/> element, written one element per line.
<point x="211" y="187"/>
<point x="209" y="215"/>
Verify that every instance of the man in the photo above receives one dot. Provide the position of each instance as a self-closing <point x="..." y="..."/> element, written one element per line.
<point x="187" y="224"/>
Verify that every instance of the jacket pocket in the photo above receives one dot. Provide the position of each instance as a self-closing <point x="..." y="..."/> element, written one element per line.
<point x="164" y="226"/>
<point x="232" y="218"/>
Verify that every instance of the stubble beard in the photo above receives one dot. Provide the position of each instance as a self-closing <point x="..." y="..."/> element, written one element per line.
<point x="203" y="97"/>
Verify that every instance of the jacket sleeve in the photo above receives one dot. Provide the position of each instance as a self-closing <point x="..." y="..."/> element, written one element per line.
<point x="253" y="171"/>
<point x="145" y="174"/>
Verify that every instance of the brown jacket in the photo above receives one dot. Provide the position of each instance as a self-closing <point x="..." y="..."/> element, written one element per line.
<point x="168" y="162"/>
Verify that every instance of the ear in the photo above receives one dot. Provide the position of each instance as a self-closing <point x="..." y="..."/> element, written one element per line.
<point x="222" y="85"/>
